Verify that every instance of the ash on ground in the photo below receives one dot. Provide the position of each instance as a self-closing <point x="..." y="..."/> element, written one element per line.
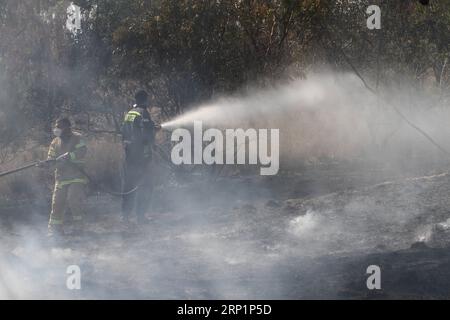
<point x="293" y="236"/>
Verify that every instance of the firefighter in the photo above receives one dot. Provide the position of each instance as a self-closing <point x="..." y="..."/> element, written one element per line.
<point x="138" y="135"/>
<point x="69" y="191"/>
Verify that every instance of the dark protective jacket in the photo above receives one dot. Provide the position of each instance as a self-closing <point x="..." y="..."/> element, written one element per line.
<point x="138" y="134"/>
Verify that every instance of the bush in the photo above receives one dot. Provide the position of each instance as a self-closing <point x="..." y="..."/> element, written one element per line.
<point x="104" y="163"/>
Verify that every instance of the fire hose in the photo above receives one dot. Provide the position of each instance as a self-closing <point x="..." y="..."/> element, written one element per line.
<point x="34" y="164"/>
<point x="100" y="187"/>
<point x="62" y="158"/>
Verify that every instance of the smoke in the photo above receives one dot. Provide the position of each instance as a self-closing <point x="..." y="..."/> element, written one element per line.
<point x="333" y="116"/>
<point x="221" y="238"/>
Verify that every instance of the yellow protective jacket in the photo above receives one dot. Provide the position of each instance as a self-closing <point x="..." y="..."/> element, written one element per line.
<point x="66" y="172"/>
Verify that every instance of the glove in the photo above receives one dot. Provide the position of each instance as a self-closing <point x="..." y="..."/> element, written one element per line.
<point x="63" y="157"/>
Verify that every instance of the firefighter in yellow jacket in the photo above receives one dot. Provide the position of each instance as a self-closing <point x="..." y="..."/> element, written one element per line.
<point x="69" y="191"/>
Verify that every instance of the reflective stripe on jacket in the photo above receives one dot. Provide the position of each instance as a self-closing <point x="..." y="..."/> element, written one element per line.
<point x="66" y="172"/>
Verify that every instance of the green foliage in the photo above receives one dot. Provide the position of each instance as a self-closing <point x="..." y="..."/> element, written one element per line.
<point x="187" y="51"/>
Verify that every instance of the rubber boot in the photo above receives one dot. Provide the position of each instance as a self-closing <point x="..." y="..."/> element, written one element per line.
<point x="55" y="231"/>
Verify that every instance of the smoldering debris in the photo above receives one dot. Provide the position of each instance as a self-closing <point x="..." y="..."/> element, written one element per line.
<point x="390" y="215"/>
<point x="222" y="249"/>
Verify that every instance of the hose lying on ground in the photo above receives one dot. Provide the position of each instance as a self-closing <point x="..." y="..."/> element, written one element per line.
<point x="61" y="158"/>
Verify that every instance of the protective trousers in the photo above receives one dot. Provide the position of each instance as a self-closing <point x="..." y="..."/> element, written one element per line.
<point x="67" y="196"/>
<point x="137" y="174"/>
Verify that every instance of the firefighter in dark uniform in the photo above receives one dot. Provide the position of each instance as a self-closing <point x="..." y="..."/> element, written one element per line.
<point x="138" y="135"/>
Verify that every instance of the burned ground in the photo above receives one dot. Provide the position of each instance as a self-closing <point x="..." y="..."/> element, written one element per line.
<point x="292" y="236"/>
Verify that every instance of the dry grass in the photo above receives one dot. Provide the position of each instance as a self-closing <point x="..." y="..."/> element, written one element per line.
<point x="28" y="184"/>
<point x="103" y="164"/>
